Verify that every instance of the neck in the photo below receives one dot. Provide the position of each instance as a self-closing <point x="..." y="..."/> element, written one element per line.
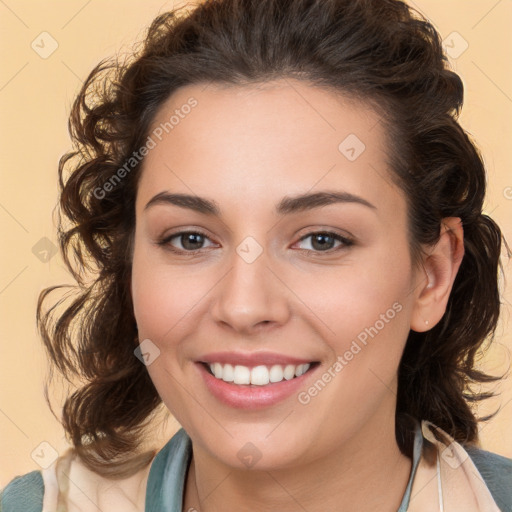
<point x="356" y="476"/>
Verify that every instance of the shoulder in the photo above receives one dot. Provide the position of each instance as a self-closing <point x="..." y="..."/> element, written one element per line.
<point x="496" y="470"/>
<point x="27" y="492"/>
<point x="23" y="493"/>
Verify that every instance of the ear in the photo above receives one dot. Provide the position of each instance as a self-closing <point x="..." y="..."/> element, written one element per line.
<point x="437" y="274"/>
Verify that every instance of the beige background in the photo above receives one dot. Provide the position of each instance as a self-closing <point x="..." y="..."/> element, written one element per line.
<point x="35" y="98"/>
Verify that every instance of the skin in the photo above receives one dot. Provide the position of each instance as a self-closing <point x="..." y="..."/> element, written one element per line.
<point x="246" y="148"/>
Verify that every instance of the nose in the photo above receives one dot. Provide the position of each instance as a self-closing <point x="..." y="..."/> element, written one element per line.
<point x="250" y="297"/>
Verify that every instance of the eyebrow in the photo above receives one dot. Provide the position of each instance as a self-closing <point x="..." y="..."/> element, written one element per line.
<point x="287" y="206"/>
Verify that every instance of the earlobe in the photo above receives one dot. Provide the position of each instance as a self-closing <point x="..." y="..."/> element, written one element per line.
<point x="440" y="266"/>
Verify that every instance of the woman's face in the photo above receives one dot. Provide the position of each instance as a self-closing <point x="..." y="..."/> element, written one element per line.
<point x="289" y="249"/>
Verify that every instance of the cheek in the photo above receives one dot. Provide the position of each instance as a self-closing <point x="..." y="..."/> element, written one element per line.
<point x="160" y="307"/>
<point x="365" y="292"/>
<point x="152" y="302"/>
<point x="367" y="309"/>
<point x="369" y="316"/>
<point x="161" y="295"/>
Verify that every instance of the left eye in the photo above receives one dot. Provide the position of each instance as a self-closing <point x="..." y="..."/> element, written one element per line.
<point x="323" y="242"/>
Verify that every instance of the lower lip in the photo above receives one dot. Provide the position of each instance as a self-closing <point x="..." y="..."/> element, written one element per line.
<point x="251" y="396"/>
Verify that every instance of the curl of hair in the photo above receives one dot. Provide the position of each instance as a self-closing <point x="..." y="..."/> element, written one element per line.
<point x="378" y="51"/>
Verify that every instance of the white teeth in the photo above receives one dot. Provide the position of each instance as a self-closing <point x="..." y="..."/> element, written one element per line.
<point x="259" y="375"/>
<point x="289" y="372"/>
<point x="276" y="373"/>
<point x="217" y="370"/>
<point x="301" y="369"/>
<point x="242" y="375"/>
<point x="228" y="373"/>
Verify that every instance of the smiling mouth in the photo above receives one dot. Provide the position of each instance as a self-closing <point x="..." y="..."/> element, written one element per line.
<point x="261" y="375"/>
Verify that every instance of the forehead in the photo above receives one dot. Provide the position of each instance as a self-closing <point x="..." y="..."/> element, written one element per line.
<point x="251" y="143"/>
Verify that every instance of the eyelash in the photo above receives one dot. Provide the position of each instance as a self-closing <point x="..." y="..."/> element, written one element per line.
<point x="345" y="242"/>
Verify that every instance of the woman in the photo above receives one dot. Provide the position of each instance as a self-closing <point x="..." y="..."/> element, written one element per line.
<point x="276" y="222"/>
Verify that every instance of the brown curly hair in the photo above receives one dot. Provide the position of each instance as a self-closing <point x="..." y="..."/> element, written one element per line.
<point x="381" y="52"/>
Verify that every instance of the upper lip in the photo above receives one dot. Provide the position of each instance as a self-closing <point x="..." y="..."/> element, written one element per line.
<point x="252" y="359"/>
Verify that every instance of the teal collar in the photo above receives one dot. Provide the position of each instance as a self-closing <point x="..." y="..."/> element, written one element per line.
<point x="166" y="481"/>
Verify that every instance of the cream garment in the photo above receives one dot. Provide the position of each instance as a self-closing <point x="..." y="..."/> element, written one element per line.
<point x="70" y="487"/>
<point x="446" y="480"/>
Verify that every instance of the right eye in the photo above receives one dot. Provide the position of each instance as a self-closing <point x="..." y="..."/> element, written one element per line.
<point x="190" y="242"/>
